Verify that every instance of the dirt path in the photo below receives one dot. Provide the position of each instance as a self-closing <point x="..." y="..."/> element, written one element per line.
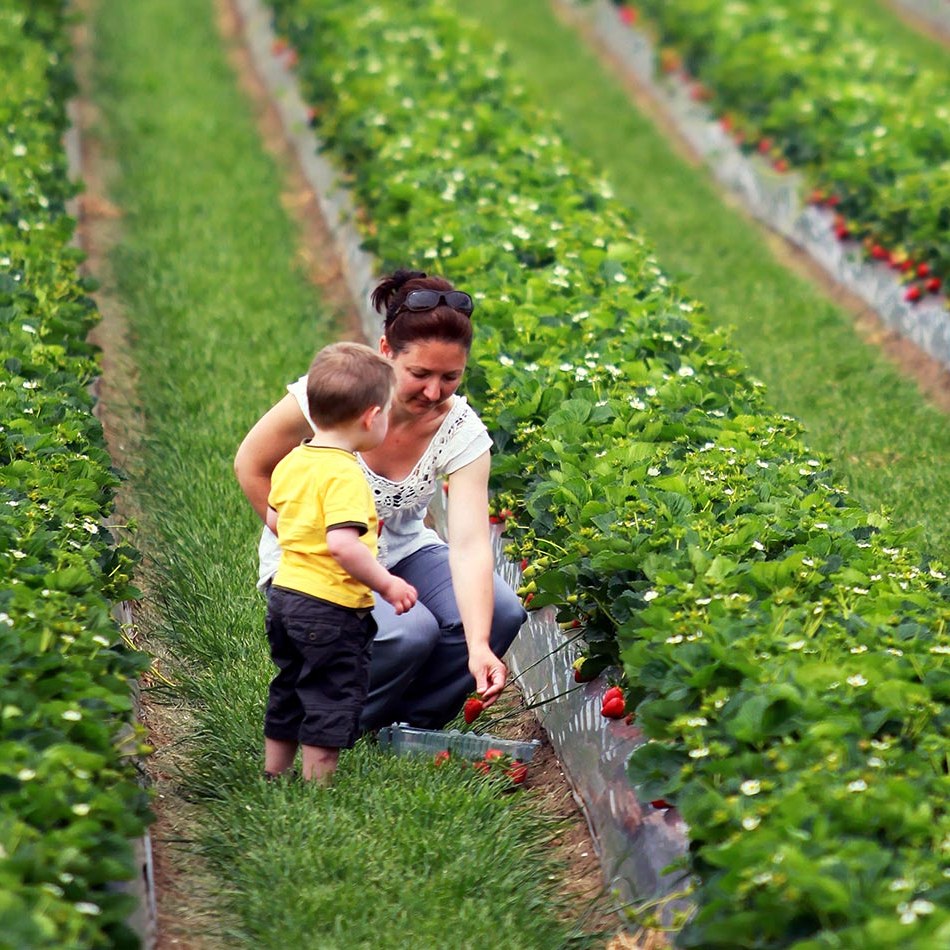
<point x="938" y="32"/>
<point x="184" y="890"/>
<point x="931" y="376"/>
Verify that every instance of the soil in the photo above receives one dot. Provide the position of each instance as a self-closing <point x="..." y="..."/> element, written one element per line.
<point x="933" y="29"/>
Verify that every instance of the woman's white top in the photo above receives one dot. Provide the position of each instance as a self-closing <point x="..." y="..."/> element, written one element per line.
<point x="401" y="506"/>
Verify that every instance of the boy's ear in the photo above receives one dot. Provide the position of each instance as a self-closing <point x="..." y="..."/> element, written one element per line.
<point x="369" y="416"/>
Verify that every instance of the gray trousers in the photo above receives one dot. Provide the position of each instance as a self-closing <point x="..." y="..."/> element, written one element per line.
<point x="419" y="668"/>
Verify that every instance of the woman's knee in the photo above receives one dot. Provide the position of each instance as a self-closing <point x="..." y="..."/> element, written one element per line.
<point x="408" y="638"/>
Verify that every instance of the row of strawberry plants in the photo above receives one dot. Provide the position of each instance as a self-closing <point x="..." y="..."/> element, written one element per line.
<point x="783" y="648"/>
<point x="815" y="85"/>
<point x="69" y="798"/>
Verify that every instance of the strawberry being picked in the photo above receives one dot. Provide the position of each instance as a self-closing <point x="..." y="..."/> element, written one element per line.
<point x="472" y="709"/>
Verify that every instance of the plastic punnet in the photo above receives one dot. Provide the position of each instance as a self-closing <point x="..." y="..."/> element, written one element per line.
<point x="404" y="739"/>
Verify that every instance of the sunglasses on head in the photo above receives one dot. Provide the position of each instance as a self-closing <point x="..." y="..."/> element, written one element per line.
<point x="430" y="299"/>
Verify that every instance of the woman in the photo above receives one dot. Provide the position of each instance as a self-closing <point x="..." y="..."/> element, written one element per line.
<point x="426" y="661"/>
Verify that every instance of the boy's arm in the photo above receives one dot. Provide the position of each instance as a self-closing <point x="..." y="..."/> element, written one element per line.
<point x="355" y="558"/>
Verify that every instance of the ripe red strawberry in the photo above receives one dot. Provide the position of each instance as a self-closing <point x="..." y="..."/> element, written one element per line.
<point x="494" y="519"/>
<point x="517" y="772"/>
<point x="524" y="564"/>
<point x="440" y="758"/>
<point x="832" y="201"/>
<point x="726" y="122"/>
<point x="472" y="709"/>
<point x="613" y="708"/>
<point x="780" y="165"/>
<point x="628" y="15"/>
<point x="482" y="766"/>
<point x="913" y="293"/>
<point x="505" y="514"/>
<point x="923" y="270"/>
<point x="933" y="285"/>
<point x="661" y="803"/>
<point x="879" y="253"/>
<point x="492" y="754"/>
<point x="842" y="232"/>
<point x="613" y="692"/>
<point x="907" y="266"/>
<point x="528" y="599"/>
<point x="764" y="146"/>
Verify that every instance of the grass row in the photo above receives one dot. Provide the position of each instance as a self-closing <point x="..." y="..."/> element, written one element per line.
<point x="890" y="445"/>
<point x="397" y="853"/>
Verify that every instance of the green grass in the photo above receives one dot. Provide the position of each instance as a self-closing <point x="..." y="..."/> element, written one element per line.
<point x="892" y="447"/>
<point x="398" y="853"/>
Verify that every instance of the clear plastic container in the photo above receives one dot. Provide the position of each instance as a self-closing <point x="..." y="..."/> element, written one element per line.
<point x="405" y="739"/>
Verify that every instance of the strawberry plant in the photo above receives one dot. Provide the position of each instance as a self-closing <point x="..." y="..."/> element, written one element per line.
<point x="70" y="801"/>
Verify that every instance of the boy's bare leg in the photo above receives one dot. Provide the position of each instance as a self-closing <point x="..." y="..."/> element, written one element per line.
<point x="319" y="763"/>
<point x="278" y="755"/>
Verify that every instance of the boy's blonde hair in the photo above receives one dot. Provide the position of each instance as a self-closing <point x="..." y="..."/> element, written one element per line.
<point x="346" y="379"/>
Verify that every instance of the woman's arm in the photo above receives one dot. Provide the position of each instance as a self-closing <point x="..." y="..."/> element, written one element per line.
<point x="273" y="435"/>
<point x="471" y="564"/>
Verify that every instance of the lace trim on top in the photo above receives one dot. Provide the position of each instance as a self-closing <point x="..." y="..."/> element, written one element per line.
<point x="415" y="491"/>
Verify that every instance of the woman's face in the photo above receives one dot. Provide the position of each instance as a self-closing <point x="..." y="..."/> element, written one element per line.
<point x="428" y="372"/>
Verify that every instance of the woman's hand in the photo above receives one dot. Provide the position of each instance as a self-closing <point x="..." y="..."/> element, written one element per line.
<point x="490" y="674"/>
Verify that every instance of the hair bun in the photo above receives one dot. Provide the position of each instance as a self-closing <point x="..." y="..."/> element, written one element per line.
<point x="389" y="286"/>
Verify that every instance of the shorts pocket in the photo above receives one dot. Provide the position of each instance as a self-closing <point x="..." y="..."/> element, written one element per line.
<point x="314" y="633"/>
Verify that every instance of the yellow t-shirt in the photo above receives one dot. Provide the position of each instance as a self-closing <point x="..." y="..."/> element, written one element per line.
<point x="313" y="489"/>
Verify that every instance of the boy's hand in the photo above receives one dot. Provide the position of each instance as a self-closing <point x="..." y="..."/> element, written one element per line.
<point x="399" y="594"/>
<point x="271" y="519"/>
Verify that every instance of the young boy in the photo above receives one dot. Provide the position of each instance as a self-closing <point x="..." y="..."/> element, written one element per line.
<point x="319" y="621"/>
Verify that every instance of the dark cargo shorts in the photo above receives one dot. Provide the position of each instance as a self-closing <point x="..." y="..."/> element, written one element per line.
<point x="322" y="653"/>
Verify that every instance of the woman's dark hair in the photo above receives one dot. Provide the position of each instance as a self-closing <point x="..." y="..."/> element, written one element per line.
<point x="403" y="327"/>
